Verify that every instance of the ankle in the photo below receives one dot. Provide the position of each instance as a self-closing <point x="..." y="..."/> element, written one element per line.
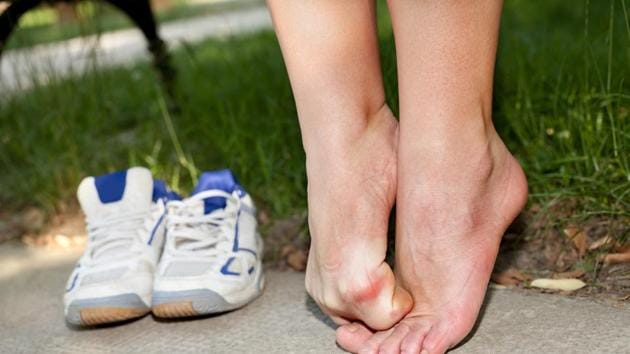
<point x="336" y="147"/>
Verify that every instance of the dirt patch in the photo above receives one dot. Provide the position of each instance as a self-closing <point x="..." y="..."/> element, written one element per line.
<point x="539" y="245"/>
<point x="286" y="241"/>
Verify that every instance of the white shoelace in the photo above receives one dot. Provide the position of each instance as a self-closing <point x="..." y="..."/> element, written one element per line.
<point x="206" y="236"/>
<point x="119" y="231"/>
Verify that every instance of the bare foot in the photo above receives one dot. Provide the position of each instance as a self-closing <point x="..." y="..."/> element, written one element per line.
<point x="350" y="195"/>
<point x="452" y="212"/>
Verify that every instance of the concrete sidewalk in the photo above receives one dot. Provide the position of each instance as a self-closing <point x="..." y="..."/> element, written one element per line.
<point x="283" y="320"/>
<point x="20" y="68"/>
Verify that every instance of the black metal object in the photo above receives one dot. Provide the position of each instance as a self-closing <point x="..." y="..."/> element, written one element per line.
<point x="139" y="11"/>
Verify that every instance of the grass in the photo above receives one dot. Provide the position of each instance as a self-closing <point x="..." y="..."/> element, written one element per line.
<point x="562" y="104"/>
<point x="41" y="25"/>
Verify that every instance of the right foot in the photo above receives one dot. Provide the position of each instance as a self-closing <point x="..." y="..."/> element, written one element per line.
<point x="112" y="281"/>
<point x="351" y="192"/>
<point x="212" y="257"/>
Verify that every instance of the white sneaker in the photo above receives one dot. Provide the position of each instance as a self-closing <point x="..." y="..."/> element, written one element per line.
<point x="212" y="257"/>
<point x="125" y="215"/>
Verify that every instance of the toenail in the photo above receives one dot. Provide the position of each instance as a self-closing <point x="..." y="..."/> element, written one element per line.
<point x="424" y="351"/>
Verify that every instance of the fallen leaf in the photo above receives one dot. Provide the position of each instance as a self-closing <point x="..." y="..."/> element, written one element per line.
<point x="62" y="241"/>
<point x="509" y="277"/>
<point x="625" y="248"/>
<point x="497" y="286"/>
<point x="616" y="258"/>
<point x="558" y="284"/>
<point x="572" y="274"/>
<point x="604" y="241"/>
<point x="287" y="250"/>
<point x="578" y="237"/>
<point x="297" y="260"/>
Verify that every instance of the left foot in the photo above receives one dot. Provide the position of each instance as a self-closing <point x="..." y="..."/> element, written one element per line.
<point x="452" y="212"/>
<point x="112" y="281"/>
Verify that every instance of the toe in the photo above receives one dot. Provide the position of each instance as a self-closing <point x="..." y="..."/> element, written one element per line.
<point x="352" y="336"/>
<point x="391" y="345"/>
<point x="412" y="342"/>
<point x="437" y="341"/>
<point x="372" y="345"/>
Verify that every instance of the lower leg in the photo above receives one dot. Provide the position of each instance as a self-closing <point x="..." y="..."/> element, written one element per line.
<point x="10" y="18"/>
<point x="458" y="185"/>
<point x="140" y="12"/>
<point x="350" y="139"/>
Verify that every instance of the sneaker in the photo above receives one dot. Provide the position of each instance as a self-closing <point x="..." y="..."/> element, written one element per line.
<point x="212" y="257"/>
<point x="125" y="215"/>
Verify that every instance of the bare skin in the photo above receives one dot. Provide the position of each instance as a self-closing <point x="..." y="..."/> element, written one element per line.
<point x="456" y="185"/>
<point x="459" y="188"/>
<point x="351" y="141"/>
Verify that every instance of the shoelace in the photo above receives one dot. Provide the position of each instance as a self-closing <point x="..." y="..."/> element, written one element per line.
<point x="201" y="236"/>
<point x="115" y="231"/>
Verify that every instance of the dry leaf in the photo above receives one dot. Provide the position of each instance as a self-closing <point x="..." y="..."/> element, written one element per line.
<point x="572" y="274"/>
<point x="604" y="241"/>
<point x="625" y="248"/>
<point x="297" y="260"/>
<point x="62" y="241"/>
<point x="497" y="286"/>
<point x="571" y="230"/>
<point x="509" y="277"/>
<point x="558" y="284"/>
<point x="578" y="237"/>
<point x="287" y="250"/>
<point x="616" y="258"/>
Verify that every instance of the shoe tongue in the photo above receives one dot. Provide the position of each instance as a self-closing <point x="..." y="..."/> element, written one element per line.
<point x="129" y="190"/>
<point x="223" y="180"/>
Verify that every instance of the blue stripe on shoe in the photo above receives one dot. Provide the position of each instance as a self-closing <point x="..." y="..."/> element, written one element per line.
<point x="157" y="224"/>
<point x="225" y="270"/>
<point x="235" y="246"/>
<point x="248" y="250"/>
<point x="74" y="282"/>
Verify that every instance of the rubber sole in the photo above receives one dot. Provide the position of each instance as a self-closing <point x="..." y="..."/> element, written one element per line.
<point x="188" y="303"/>
<point x="112" y="309"/>
<point x="175" y="310"/>
<point x="103" y="315"/>
<point x="199" y="302"/>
